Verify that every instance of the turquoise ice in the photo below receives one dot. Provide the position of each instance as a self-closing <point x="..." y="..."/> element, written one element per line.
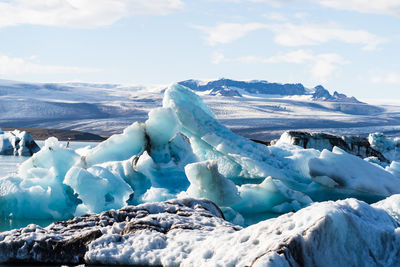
<point x="183" y="151"/>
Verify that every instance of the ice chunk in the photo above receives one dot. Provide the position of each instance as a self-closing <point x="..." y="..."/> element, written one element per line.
<point x="394" y="168"/>
<point x="162" y="126"/>
<point x="136" y="180"/>
<point x="207" y="182"/>
<point x="17" y="143"/>
<point x="155" y="194"/>
<point x="351" y="172"/>
<point x="389" y="147"/>
<point x="98" y="188"/>
<point x="38" y="191"/>
<point x="269" y="197"/>
<point x="41" y="196"/>
<point x="180" y="150"/>
<point x="52" y="155"/>
<point x="233" y="216"/>
<point x="119" y="146"/>
<point x="237" y="156"/>
<point x="391" y="205"/>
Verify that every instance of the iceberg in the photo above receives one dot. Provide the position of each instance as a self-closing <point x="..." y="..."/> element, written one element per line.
<point x="207" y="182"/>
<point x="182" y="151"/>
<point x="389" y="147"/>
<point x="340" y="169"/>
<point x="360" y="146"/>
<point x="38" y="191"/>
<point x="17" y="143"/>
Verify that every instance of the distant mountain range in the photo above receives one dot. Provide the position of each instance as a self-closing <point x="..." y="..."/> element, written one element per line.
<point x="227" y="87"/>
<point x="255" y="109"/>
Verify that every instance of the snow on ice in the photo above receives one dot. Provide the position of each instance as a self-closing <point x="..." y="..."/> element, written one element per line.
<point x="183" y="151"/>
<point x="190" y="232"/>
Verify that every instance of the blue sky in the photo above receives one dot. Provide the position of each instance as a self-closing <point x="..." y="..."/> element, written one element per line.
<point x="351" y="46"/>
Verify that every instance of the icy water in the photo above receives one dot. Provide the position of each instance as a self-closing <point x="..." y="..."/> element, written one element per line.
<point x="9" y="165"/>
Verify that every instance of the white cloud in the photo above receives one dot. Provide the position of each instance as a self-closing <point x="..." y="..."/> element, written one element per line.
<point x="227" y="32"/>
<point x="320" y="66"/>
<point x="275" y="16"/>
<point x="389" y="7"/>
<point x="79" y="13"/>
<point x="298" y="57"/>
<point x="323" y="65"/>
<point x="14" y="65"/>
<point x="388" y="77"/>
<point x="288" y="34"/>
<point x="310" y="34"/>
<point x="274" y="3"/>
<point x="218" y="57"/>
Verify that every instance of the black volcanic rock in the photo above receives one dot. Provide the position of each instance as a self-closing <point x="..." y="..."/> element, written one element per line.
<point x="358" y="146"/>
<point x="66" y="242"/>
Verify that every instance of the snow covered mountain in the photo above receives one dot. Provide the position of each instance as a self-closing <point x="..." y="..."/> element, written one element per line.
<point x="227" y="87"/>
<point x="255" y="109"/>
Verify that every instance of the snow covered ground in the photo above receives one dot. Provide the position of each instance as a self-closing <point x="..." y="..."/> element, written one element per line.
<point x="109" y="108"/>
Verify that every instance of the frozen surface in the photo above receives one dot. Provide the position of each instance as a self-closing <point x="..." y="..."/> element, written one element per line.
<point x="189" y="232"/>
<point x="324" y="234"/>
<point x="339" y="169"/>
<point x="182" y="150"/>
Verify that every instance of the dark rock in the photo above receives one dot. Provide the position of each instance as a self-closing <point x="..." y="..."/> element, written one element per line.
<point x="321" y="93"/>
<point x="66" y="242"/>
<point x="224" y="91"/>
<point x="355" y="145"/>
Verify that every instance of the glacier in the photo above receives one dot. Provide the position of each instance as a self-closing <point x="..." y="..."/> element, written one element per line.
<point x="183" y="151"/>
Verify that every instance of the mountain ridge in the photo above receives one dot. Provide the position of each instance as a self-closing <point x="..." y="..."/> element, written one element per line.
<point x="105" y="109"/>
<point x="228" y="87"/>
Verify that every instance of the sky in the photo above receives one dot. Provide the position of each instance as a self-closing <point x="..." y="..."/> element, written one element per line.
<point x="351" y="46"/>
